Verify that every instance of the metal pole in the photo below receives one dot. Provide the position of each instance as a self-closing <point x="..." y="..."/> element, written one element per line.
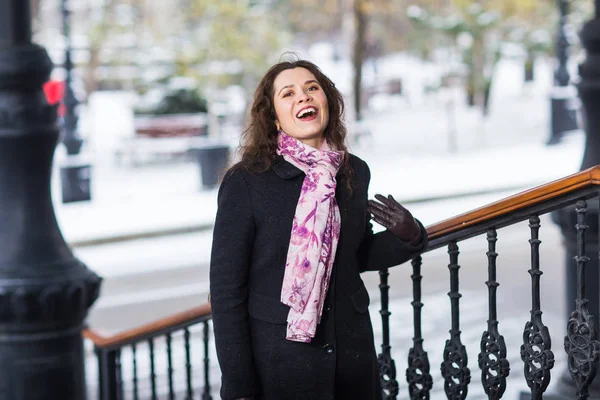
<point x="561" y="75"/>
<point x="563" y="97"/>
<point x="358" y="55"/>
<point x="71" y="140"/>
<point x="75" y="173"/>
<point x="14" y="28"/>
<point x="45" y="292"/>
<point x="589" y="93"/>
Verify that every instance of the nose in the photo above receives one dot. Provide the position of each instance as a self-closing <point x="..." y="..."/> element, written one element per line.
<point x="304" y="97"/>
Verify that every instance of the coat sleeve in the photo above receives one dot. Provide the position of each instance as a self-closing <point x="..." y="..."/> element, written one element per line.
<point x="233" y="238"/>
<point x="384" y="250"/>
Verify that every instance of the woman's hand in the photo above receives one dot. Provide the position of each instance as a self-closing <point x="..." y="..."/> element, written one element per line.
<point x="397" y="219"/>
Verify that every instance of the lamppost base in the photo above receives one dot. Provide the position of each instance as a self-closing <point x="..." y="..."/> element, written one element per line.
<point x="75" y="178"/>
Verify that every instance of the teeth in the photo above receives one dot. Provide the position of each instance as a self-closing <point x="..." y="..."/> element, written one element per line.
<point x="306" y="111"/>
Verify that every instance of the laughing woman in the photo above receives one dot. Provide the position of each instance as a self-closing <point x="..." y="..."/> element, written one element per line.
<point x="292" y="235"/>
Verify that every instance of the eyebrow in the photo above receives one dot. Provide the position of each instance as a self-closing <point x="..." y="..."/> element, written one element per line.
<point x="305" y="83"/>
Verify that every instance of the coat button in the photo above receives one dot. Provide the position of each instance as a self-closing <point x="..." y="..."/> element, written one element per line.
<point x="328" y="349"/>
<point x="327" y="307"/>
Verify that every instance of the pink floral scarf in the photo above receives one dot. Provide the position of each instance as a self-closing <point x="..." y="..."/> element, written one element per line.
<point x="314" y="238"/>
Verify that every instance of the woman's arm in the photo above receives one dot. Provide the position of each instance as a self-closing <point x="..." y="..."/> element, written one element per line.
<point x="404" y="237"/>
<point x="233" y="238"/>
<point x="384" y="250"/>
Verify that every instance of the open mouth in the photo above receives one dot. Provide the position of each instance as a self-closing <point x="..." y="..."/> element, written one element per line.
<point x="307" y="114"/>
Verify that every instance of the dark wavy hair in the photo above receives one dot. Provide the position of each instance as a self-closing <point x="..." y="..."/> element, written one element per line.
<point x="259" y="140"/>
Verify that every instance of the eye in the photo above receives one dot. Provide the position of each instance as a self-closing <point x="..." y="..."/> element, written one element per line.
<point x="287" y="94"/>
<point x="313" y="88"/>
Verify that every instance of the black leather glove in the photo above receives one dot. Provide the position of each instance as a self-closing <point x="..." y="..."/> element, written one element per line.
<point x="397" y="219"/>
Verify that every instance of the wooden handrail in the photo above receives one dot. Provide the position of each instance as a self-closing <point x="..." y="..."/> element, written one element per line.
<point x="516" y="202"/>
<point x="148" y="329"/>
<point x="483" y="214"/>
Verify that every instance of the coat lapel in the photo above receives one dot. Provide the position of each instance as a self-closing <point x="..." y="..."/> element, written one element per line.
<point x="284" y="169"/>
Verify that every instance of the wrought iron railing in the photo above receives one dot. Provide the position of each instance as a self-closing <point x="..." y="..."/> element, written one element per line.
<point x="580" y="343"/>
<point x="111" y="351"/>
<point x="537" y="357"/>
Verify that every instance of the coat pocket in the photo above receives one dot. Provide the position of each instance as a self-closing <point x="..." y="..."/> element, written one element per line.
<point x="267" y="309"/>
<point x="361" y="300"/>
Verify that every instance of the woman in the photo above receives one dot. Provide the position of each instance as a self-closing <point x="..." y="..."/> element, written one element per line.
<point x="291" y="236"/>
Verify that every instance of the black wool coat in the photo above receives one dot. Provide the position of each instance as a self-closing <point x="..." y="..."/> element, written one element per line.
<point x="251" y="238"/>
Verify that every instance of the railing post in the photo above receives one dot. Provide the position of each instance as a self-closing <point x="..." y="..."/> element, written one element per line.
<point x="205" y="337"/>
<point x="536" y="350"/>
<point x="455" y="370"/>
<point x="386" y="364"/>
<point x="45" y="292"/>
<point x="418" y="375"/>
<point x="581" y="342"/>
<point x="567" y="220"/>
<point x="589" y="92"/>
<point x="108" y="375"/>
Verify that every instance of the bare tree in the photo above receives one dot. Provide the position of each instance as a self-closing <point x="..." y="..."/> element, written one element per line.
<point x="35" y="7"/>
<point x="98" y="34"/>
<point x="358" y="54"/>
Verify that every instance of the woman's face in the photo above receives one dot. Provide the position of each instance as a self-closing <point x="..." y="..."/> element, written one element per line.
<point x="301" y="106"/>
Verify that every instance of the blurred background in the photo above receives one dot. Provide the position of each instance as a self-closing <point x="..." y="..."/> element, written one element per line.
<point x="453" y="104"/>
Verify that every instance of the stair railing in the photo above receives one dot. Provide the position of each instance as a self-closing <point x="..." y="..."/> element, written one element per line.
<point x="581" y="342"/>
<point x="175" y="329"/>
<point x="538" y="358"/>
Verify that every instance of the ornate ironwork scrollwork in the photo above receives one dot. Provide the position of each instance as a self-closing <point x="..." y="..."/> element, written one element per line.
<point x="387" y="374"/>
<point x="537" y="356"/>
<point x="492" y="359"/>
<point x="582" y="348"/>
<point x="493" y="363"/>
<point x="418" y="377"/>
<point x="457" y="375"/>
<point x="535" y="351"/>
<point x="580" y="342"/>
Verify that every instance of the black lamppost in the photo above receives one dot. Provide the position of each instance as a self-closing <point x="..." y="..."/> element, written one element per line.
<point x="45" y="292"/>
<point x="589" y="93"/>
<point x="564" y="103"/>
<point x="75" y="174"/>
